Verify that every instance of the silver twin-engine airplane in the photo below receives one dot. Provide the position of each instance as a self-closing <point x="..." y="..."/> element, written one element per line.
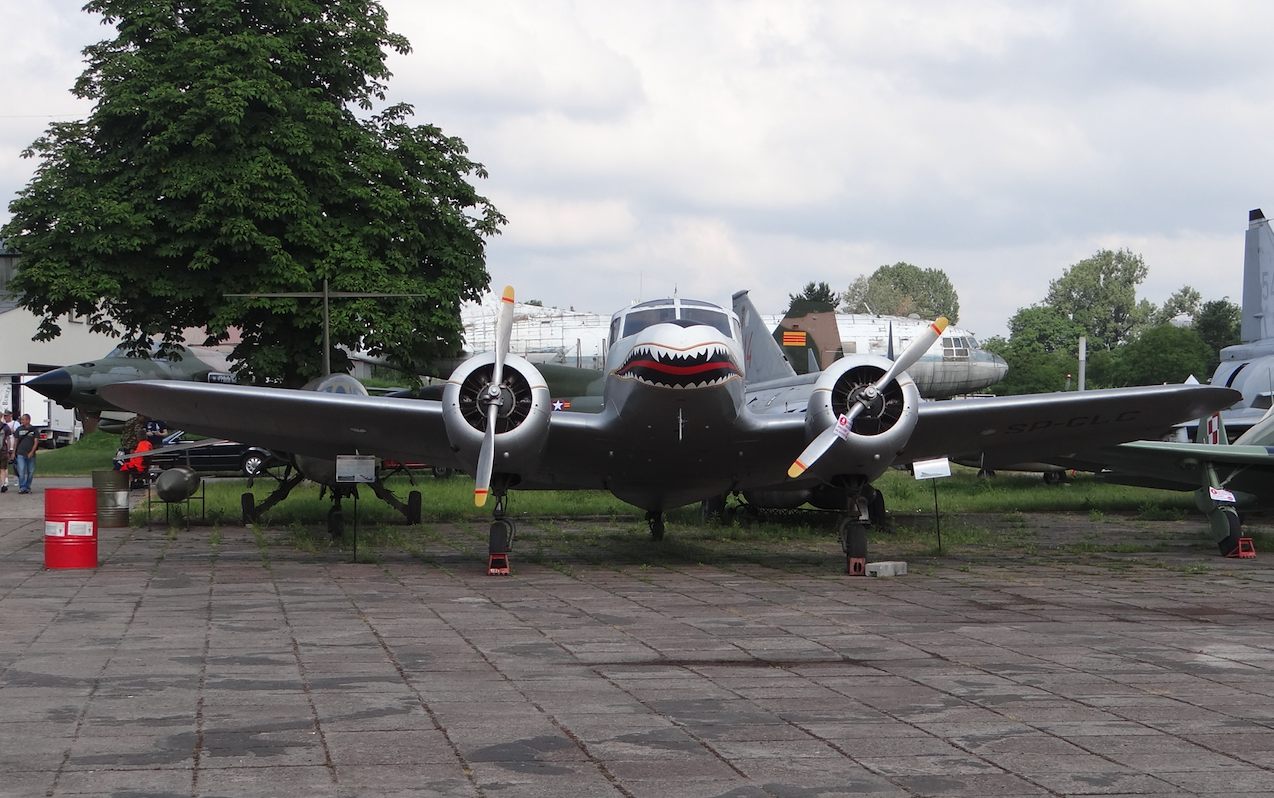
<point x="675" y="423"/>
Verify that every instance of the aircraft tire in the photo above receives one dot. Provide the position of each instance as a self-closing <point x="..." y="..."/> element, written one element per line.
<point x="247" y="508"/>
<point x="413" y="507"/>
<point x="853" y="538"/>
<point x="1231" y="542"/>
<point x="500" y="538"/>
<point x="441" y="472"/>
<point x="1054" y="477"/>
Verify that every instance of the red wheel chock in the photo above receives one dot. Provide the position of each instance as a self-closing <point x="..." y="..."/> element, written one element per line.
<point x="498" y="565"/>
<point x="1245" y="550"/>
<point x="857" y="566"/>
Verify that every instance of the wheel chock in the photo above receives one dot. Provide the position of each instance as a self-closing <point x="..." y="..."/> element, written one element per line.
<point x="1244" y="551"/>
<point x="498" y="565"/>
<point x="857" y="566"/>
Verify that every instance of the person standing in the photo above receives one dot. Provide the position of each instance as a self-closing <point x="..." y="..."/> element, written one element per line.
<point x="6" y="448"/>
<point x="26" y="440"/>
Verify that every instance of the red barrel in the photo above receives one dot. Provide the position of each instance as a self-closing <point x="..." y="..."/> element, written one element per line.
<point x="70" y="527"/>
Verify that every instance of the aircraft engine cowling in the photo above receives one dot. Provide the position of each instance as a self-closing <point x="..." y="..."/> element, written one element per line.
<point x="522" y="423"/>
<point x="880" y="430"/>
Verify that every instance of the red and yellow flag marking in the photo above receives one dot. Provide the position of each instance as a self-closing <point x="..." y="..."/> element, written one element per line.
<point x="793" y="338"/>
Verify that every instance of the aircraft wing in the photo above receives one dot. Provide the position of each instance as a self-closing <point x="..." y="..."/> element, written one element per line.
<point x="1180" y="466"/>
<point x="298" y="422"/>
<point x="1000" y="431"/>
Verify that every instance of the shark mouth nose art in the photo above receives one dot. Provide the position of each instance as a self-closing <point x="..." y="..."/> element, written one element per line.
<point x="662" y="367"/>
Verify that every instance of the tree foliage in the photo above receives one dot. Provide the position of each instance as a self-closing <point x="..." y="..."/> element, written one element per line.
<point x="1100" y="294"/>
<point x="1184" y="302"/>
<point x="814" y="298"/>
<point x="1163" y="354"/>
<point x="223" y="155"/>
<point x="901" y="290"/>
<point x="1043" y="329"/>
<point x="1219" y="324"/>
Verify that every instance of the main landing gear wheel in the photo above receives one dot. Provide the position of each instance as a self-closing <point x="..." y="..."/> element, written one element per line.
<point x="656" y="523"/>
<point x="1054" y="477"/>
<point x="1230" y="543"/>
<point x="500" y="539"/>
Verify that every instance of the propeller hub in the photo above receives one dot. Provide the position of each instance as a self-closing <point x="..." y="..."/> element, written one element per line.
<point x="872" y="400"/>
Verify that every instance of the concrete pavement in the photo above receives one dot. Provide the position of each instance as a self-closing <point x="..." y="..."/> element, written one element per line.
<point x="227" y="662"/>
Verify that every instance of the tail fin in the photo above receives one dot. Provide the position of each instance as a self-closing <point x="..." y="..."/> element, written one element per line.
<point x="1258" y="271"/>
<point x="763" y="359"/>
<point x="1212" y="430"/>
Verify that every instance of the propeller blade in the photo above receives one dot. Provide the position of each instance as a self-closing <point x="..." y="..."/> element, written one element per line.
<point x="503" y="332"/>
<point x="486" y="459"/>
<point x="914" y="352"/>
<point x="889" y="353"/>
<point x="819" y="446"/>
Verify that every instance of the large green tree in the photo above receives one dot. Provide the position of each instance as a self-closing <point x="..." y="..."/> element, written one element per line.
<point x="903" y="289"/>
<point x="1100" y="294"/>
<point x="224" y="155"/>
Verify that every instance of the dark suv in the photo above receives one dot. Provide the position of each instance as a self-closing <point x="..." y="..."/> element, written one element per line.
<point x="216" y="458"/>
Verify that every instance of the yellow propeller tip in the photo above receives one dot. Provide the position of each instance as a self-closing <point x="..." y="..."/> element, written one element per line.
<point x="940" y="324"/>
<point x="508" y="294"/>
<point x="480" y="498"/>
<point x="796" y="469"/>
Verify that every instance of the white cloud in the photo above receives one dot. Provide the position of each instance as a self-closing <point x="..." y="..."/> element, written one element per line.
<point x="714" y="145"/>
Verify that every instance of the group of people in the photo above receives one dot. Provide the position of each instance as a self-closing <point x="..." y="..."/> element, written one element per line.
<point x="19" y="442"/>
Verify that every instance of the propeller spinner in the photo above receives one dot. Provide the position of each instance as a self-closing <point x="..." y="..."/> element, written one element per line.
<point x="865" y="399"/>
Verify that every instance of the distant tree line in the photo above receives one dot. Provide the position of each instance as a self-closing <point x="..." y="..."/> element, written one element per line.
<point x="1130" y="341"/>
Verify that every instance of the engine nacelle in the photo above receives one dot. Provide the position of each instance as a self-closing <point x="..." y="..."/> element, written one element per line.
<point x="878" y="432"/>
<point x="522" y="422"/>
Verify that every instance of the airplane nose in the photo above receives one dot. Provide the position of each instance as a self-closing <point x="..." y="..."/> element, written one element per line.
<point x="55" y="384"/>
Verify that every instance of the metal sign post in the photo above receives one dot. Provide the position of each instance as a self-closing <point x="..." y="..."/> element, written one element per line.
<point x="932" y="470"/>
<point x="353" y="469"/>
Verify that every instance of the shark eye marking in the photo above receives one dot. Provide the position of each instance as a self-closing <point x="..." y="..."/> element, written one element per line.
<point x="697" y="367"/>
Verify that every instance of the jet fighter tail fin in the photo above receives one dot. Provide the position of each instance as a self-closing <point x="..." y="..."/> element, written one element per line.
<point x="1258" y="269"/>
<point x="1212" y="430"/>
<point x="763" y="359"/>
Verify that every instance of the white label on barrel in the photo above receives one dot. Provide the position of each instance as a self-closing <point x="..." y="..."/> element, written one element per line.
<point x="80" y="528"/>
<point x="54" y="529"/>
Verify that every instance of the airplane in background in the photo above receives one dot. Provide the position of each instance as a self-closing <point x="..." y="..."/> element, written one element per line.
<point x="76" y="387"/>
<point x="954" y="365"/>
<point x="1248" y="367"/>
<point x="1226" y="478"/>
<point x="676" y="423"/>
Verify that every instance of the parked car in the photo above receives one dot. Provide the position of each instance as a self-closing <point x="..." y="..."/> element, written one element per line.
<point x="216" y="458"/>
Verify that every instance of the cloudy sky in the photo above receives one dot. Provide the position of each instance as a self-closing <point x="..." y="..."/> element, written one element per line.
<point x="704" y="147"/>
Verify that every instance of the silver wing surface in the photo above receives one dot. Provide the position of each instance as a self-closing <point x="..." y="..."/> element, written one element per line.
<point x="1000" y="431"/>
<point x="297" y="422"/>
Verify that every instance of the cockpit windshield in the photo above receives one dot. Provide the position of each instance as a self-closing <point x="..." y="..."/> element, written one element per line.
<point x="683" y="312"/>
<point x="123" y="351"/>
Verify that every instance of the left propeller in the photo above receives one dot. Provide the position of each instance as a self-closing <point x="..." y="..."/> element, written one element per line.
<point x="865" y="398"/>
<point x="491" y="397"/>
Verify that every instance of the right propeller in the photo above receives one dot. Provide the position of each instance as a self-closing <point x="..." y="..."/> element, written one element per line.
<point x="491" y="397"/>
<point x="865" y="398"/>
